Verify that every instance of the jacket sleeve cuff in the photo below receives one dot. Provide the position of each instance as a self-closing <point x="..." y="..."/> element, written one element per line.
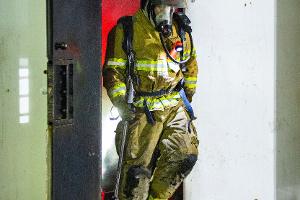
<point x="117" y="94"/>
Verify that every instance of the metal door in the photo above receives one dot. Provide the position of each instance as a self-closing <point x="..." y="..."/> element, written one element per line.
<point x="74" y="98"/>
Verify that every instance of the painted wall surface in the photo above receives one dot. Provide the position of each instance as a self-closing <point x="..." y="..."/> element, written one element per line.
<point x="23" y="146"/>
<point x="288" y="100"/>
<point x="234" y="101"/>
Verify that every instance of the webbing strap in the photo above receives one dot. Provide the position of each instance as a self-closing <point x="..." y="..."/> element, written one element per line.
<point x="183" y="96"/>
<point x="126" y="21"/>
<point x="152" y="94"/>
<point x="161" y="92"/>
<point x="149" y="114"/>
<point x="187" y="104"/>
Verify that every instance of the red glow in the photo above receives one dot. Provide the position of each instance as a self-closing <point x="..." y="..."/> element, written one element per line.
<point x="111" y="12"/>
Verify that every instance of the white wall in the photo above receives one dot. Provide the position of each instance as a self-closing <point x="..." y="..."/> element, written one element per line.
<point x="235" y="100"/>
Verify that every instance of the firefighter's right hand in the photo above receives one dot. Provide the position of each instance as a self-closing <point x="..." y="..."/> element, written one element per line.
<point x="126" y="112"/>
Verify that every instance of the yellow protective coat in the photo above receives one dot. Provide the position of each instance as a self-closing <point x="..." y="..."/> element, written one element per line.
<point x="154" y="70"/>
<point x="157" y="157"/>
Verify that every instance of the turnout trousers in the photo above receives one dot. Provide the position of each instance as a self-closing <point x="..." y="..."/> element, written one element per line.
<point x="157" y="157"/>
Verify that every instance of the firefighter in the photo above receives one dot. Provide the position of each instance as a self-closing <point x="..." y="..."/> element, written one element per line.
<point x="161" y="141"/>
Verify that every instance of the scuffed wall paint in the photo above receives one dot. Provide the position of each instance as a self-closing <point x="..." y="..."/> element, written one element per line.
<point x="234" y="100"/>
<point x="288" y="100"/>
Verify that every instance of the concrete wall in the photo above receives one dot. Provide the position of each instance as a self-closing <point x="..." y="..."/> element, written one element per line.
<point x="23" y="146"/>
<point x="288" y="100"/>
<point x="235" y="100"/>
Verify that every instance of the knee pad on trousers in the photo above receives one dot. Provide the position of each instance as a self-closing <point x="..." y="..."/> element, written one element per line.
<point x="138" y="178"/>
<point x="188" y="164"/>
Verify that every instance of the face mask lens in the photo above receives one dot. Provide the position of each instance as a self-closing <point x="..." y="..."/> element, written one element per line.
<point x="163" y="13"/>
<point x="163" y="19"/>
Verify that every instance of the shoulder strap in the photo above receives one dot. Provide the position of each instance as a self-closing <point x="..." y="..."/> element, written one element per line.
<point x="127" y="46"/>
<point x="126" y="21"/>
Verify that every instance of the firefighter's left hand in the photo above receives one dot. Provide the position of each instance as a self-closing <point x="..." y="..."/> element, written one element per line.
<point x="126" y="112"/>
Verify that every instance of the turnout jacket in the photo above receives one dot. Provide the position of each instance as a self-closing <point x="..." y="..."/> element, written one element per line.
<point x="153" y="69"/>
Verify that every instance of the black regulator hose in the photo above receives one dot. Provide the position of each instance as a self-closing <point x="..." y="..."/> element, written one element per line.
<point x="168" y="53"/>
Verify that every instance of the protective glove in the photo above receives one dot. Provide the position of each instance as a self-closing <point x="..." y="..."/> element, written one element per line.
<point x="126" y="112"/>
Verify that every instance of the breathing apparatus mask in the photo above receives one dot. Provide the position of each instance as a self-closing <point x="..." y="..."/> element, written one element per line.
<point x="162" y="14"/>
<point x="163" y="19"/>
